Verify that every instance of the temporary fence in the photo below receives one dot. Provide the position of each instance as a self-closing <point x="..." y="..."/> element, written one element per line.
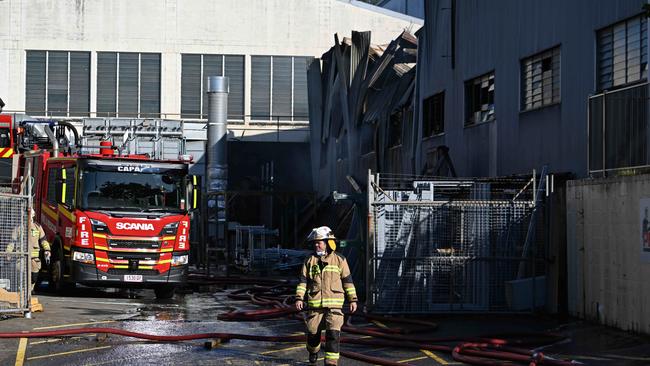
<point x="454" y="245"/>
<point x="14" y="254"/>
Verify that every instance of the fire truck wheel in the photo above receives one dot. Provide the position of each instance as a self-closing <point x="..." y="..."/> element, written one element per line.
<point x="164" y="292"/>
<point x="56" y="272"/>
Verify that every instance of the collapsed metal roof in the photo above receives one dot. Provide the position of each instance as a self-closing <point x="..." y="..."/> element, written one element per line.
<point x="361" y="84"/>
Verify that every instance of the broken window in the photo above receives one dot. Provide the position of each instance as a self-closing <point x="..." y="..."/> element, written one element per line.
<point x="540" y="79"/>
<point x="622" y="53"/>
<point x="395" y="133"/>
<point x="479" y="99"/>
<point x="434" y="115"/>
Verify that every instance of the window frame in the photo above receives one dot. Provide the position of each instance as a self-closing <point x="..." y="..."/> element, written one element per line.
<point x="68" y="112"/>
<point x="139" y="113"/>
<point x="600" y="65"/>
<point x="429" y="108"/>
<point x="469" y="120"/>
<point x="555" y="54"/>
<point x="203" y="101"/>
<point x="282" y="119"/>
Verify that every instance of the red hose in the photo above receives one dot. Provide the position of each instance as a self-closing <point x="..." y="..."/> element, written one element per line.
<point x="485" y="350"/>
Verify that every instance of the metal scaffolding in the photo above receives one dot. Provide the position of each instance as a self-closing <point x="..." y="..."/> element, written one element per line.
<point x="454" y="245"/>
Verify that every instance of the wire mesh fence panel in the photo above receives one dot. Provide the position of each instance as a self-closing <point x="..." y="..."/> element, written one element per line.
<point x="14" y="254"/>
<point x="452" y="245"/>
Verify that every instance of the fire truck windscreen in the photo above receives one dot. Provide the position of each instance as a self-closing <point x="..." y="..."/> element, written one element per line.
<point x="130" y="190"/>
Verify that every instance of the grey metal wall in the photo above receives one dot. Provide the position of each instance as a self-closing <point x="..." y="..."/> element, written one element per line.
<point x="496" y="35"/>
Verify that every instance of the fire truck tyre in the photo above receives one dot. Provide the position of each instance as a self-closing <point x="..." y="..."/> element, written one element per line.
<point x="164" y="292"/>
<point x="56" y="271"/>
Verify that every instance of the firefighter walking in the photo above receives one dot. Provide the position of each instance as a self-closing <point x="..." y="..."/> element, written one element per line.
<point x="326" y="280"/>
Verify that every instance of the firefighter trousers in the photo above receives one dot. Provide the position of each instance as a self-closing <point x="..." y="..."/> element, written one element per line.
<point x="331" y="320"/>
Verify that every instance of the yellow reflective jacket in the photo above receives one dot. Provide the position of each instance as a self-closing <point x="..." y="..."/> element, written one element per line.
<point x="326" y="281"/>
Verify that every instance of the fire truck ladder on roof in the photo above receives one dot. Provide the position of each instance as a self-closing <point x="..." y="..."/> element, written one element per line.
<point x="160" y="139"/>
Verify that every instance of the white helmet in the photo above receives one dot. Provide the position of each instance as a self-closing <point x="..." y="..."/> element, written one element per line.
<point x="323" y="233"/>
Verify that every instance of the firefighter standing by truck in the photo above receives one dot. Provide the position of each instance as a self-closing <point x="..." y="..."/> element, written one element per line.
<point x="326" y="280"/>
<point x="35" y="242"/>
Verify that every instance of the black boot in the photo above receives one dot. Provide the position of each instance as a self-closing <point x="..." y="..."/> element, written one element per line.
<point x="313" y="358"/>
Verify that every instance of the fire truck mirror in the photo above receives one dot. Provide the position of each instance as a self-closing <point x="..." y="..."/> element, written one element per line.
<point x="193" y="192"/>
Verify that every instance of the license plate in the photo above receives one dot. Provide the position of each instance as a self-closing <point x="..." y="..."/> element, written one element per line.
<point x="132" y="278"/>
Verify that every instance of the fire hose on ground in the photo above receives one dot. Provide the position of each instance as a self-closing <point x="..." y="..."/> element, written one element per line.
<point x="499" y="350"/>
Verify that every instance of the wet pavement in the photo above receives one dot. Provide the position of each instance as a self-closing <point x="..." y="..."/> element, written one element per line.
<point x="138" y="310"/>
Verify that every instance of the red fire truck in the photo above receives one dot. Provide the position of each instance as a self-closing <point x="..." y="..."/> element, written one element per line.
<point x="113" y="220"/>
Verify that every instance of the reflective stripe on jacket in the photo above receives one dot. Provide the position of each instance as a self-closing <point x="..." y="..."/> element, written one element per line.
<point x="326" y="281"/>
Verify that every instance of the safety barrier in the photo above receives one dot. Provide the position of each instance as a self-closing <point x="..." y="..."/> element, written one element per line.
<point x="14" y="254"/>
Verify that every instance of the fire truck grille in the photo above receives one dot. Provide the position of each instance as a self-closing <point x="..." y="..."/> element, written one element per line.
<point x="138" y="256"/>
<point x="134" y="244"/>
<point x="144" y="272"/>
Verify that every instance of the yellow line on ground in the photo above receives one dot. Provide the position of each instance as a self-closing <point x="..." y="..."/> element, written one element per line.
<point x="434" y="356"/>
<point x="281" y="350"/>
<point x="20" y="355"/>
<point x="75" y="324"/>
<point x="412" y="359"/>
<point x="67" y="353"/>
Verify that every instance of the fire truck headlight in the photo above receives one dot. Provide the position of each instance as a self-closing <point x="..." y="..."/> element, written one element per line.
<point x="170" y="229"/>
<point x="179" y="260"/>
<point x="98" y="226"/>
<point x="83" y="257"/>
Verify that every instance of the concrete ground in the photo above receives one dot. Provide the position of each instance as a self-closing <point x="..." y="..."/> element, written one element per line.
<point x="193" y="313"/>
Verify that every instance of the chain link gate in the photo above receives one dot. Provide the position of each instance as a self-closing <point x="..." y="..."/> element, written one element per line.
<point x="455" y="245"/>
<point x="15" y="292"/>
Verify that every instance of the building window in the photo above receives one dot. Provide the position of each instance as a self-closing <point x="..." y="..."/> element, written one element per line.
<point x="128" y="84"/>
<point x="279" y="88"/>
<point x="622" y="53"/>
<point x="395" y="128"/>
<point x="57" y="83"/>
<point x="479" y="99"/>
<point x="540" y="79"/>
<point x="434" y="115"/>
<point x="195" y="70"/>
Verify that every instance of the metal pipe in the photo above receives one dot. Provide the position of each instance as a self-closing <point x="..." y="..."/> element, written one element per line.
<point x="217" y="163"/>
<point x="55" y="141"/>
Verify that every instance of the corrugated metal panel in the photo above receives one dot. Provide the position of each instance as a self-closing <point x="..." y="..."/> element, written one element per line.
<point x="79" y="84"/>
<point x="315" y="116"/>
<point x="35" y="83"/>
<point x="190" y="86"/>
<point x="150" y="84"/>
<point x="128" y="85"/>
<point x="300" y="105"/>
<point x="261" y="87"/>
<point x="281" y="88"/>
<point x="212" y="66"/>
<point x="57" y="83"/>
<point x="234" y="70"/>
<point x="106" y="84"/>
